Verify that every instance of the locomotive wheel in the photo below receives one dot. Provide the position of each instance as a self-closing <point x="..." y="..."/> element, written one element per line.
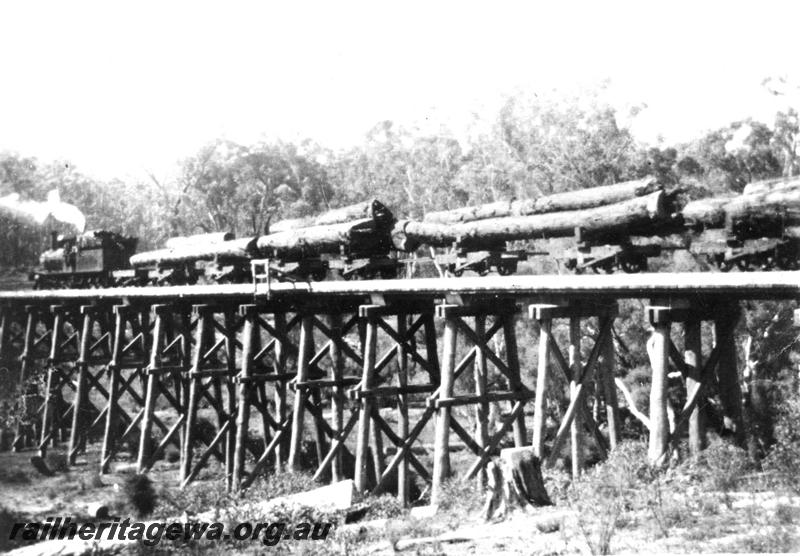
<point x="725" y="266"/>
<point x="318" y="275"/>
<point x="505" y="270"/>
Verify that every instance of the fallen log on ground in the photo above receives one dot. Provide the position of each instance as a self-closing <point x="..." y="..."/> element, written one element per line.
<point x="570" y="200"/>
<point x="628" y="217"/>
<point x="373" y="209"/>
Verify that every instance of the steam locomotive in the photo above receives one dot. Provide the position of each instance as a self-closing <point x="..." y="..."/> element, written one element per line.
<point x="92" y="259"/>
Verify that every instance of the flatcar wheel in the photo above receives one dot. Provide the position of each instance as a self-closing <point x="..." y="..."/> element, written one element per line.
<point x="725" y="266"/>
<point x="743" y="265"/>
<point x="318" y="275"/>
<point x="633" y="266"/>
<point x="504" y="270"/>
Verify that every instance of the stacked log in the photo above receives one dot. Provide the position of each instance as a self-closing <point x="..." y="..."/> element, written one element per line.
<point x="358" y="236"/>
<point x="636" y="215"/>
<point x="225" y="251"/>
<point x="752" y="214"/>
<point x="198" y="239"/>
<point x="568" y="201"/>
<point x="371" y="209"/>
<point x="359" y="228"/>
<point x="774" y="184"/>
<point x="705" y="213"/>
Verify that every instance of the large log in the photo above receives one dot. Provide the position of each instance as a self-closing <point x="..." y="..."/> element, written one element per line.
<point x="373" y="209"/>
<point x="635" y="215"/>
<point x="198" y="239"/>
<point x="235" y="250"/>
<point x="571" y="200"/>
<point x="763" y="215"/>
<point x="754" y="215"/>
<point x="774" y="184"/>
<point x="779" y="202"/>
<point x="705" y="213"/>
<point x="357" y="237"/>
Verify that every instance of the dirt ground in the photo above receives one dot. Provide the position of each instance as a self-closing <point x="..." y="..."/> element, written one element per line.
<point x="676" y="517"/>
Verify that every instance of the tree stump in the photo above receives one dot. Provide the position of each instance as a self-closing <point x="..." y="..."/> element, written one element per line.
<point x="514" y="481"/>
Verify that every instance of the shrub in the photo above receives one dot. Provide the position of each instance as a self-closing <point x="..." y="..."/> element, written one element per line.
<point x="785" y="454"/>
<point x="140" y="495"/>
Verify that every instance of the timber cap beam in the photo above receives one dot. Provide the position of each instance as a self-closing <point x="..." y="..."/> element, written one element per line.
<point x="662" y="311"/>
<point x="546" y="311"/>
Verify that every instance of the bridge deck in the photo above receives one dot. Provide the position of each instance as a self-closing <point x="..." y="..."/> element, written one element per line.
<point x="748" y="285"/>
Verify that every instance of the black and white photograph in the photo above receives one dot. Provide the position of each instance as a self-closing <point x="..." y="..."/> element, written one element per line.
<point x="399" y="278"/>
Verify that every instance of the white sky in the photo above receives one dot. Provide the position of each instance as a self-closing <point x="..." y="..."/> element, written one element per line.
<point x="118" y="88"/>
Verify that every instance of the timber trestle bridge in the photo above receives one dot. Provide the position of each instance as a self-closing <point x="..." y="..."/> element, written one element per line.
<point x="360" y="367"/>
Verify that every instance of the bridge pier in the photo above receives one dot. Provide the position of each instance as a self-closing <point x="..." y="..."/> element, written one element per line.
<point x="171" y="344"/>
<point x="401" y="347"/>
<point x="210" y="378"/>
<point x="311" y="381"/>
<point x="33" y="356"/>
<point x="580" y="377"/>
<point x="251" y="385"/>
<point x="57" y="414"/>
<point x="129" y="357"/>
<point x="502" y="313"/>
<point x="719" y="366"/>
<point x="95" y="348"/>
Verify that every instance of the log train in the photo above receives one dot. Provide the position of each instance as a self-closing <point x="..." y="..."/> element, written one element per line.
<point x="613" y="227"/>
